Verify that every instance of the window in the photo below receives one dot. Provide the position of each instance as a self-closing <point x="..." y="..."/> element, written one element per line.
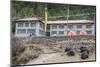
<point x="31" y="31"/>
<point x="26" y="24"/>
<point x="54" y="32"/>
<point x="33" y="24"/>
<point x="78" y="32"/>
<point x="20" y="24"/>
<point x="61" y="32"/>
<point x="21" y="31"/>
<point x="79" y="26"/>
<point x="89" y="32"/>
<point x="61" y="26"/>
<point x="70" y="26"/>
<point x="41" y="25"/>
<point x="89" y="26"/>
<point x="54" y="26"/>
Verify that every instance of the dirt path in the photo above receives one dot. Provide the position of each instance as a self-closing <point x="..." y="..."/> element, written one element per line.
<point x="50" y="56"/>
<point x="57" y="58"/>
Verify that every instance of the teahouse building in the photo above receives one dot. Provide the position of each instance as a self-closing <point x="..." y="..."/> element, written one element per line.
<point x="34" y="27"/>
<point x="29" y="27"/>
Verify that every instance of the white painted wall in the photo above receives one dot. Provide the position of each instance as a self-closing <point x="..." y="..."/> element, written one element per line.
<point x="37" y="28"/>
<point x="75" y="29"/>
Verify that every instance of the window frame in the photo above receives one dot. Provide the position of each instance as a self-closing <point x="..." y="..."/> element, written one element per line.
<point x="21" y="31"/>
<point x="89" y="32"/>
<point x="53" y="32"/>
<point x="78" y="26"/>
<point x="61" y="33"/>
<point x="90" y="26"/>
<point x="54" y="26"/>
<point x="70" y="26"/>
<point x="33" y="24"/>
<point x="26" y="25"/>
<point x="20" y="24"/>
<point x="30" y="31"/>
<point x="61" y="26"/>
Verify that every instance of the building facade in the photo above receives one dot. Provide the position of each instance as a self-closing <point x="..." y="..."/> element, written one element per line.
<point x="61" y="28"/>
<point x="34" y="27"/>
<point x="29" y="27"/>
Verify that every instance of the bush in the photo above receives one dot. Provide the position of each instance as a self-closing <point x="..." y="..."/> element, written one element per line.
<point x="22" y="54"/>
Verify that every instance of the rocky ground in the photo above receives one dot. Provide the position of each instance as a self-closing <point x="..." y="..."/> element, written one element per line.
<point x="48" y="50"/>
<point x="52" y="56"/>
<point x="58" y="58"/>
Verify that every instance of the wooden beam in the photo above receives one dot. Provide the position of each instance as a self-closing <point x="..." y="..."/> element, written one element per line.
<point x="46" y="16"/>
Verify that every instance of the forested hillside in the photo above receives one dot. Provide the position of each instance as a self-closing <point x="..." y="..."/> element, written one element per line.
<point x="55" y="11"/>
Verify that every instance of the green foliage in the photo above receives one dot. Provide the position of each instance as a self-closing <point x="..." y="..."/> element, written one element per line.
<point x="22" y="9"/>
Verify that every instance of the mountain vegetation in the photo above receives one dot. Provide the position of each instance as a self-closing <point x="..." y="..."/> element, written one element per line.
<point x="22" y="9"/>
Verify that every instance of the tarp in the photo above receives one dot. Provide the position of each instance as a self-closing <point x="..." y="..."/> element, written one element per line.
<point x="82" y="33"/>
<point x="70" y="34"/>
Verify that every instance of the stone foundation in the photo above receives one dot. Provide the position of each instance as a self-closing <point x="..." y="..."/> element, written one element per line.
<point x="60" y="43"/>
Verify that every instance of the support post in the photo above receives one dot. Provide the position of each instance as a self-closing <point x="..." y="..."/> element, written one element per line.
<point x="46" y="18"/>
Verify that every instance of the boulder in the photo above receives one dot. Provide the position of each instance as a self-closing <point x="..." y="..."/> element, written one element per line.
<point x="84" y="55"/>
<point x="71" y="52"/>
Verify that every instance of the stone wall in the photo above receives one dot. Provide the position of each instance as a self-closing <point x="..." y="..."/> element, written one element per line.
<point x="60" y="43"/>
